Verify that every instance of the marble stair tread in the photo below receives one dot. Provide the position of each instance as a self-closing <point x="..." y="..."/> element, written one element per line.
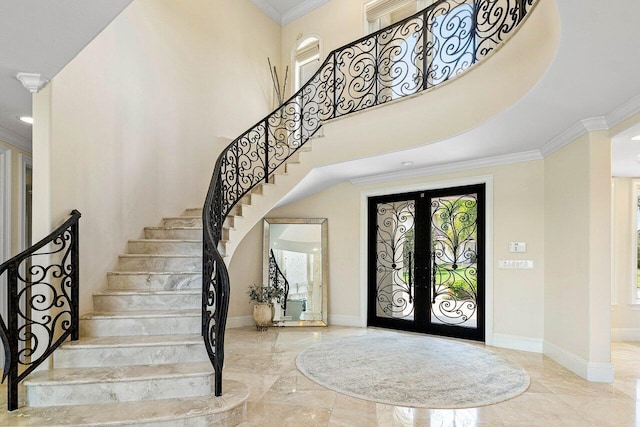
<point x="140" y="322"/>
<point x="174" y="227"/>
<point x="145" y="292"/>
<point x="131" y="350"/>
<point x="159" y="280"/>
<point x="133" y="341"/>
<point x="159" y="262"/>
<point x="226" y="410"/>
<point x="146" y="299"/>
<point x="125" y="383"/>
<point x="66" y="376"/>
<point x="140" y="314"/>
<point x="165" y="246"/>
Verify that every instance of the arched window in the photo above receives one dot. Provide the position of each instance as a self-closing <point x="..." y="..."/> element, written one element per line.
<point x="306" y="60"/>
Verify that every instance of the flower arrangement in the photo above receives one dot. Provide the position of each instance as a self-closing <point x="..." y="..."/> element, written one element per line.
<point x="264" y="294"/>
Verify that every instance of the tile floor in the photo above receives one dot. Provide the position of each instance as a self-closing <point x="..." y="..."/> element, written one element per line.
<point x="281" y="396"/>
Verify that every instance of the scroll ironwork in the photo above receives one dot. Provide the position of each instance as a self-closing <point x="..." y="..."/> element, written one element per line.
<point x="418" y="53"/>
<point x="278" y="280"/>
<point x="42" y="303"/>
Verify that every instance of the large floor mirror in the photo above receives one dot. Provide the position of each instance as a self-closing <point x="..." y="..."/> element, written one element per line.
<point x="295" y="259"/>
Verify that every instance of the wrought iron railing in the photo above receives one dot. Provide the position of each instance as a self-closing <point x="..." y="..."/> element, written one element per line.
<point x="278" y="280"/>
<point x="42" y="303"/>
<point x="413" y="55"/>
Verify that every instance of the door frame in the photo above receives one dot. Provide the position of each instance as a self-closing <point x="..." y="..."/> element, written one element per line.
<point x="24" y="162"/>
<point x="425" y="186"/>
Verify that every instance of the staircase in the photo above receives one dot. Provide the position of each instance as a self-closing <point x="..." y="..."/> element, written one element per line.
<point x="140" y="359"/>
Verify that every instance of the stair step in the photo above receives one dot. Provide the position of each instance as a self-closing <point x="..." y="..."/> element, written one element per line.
<point x="159" y="263"/>
<point x="192" y="212"/>
<point x="201" y="411"/>
<point x="131" y="280"/>
<point x="165" y="247"/>
<point x="182" y="221"/>
<point x="80" y="386"/>
<point x="190" y="233"/>
<point x="131" y="350"/>
<point x="136" y="300"/>
<point x="153" y="322"/>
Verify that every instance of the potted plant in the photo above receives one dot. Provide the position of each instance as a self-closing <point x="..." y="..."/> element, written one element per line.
<point x="263" y="309"/>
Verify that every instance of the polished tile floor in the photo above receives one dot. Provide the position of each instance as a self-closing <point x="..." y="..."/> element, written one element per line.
<point x="281" y="396"/>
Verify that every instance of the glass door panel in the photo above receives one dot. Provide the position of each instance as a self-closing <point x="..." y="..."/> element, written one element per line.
<point x="393" y="255"/>
<point x="454" y="268"/>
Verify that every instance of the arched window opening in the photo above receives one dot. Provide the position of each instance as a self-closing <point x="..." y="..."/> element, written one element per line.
<point x="382" y="13"/>
<point x="306" y="60"/>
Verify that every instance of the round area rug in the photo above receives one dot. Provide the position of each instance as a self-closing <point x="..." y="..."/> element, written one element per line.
<point x="414" y="371"/>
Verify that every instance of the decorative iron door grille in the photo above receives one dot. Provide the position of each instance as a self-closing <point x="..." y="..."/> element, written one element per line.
<point x="426" y="262"/>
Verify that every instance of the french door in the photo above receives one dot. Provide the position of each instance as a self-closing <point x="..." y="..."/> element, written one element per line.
<point x="426" y="261"/>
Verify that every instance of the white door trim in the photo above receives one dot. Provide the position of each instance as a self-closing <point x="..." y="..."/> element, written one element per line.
<point x="5" y="203"/>
<point x="23" y="161"/>
<point x="5" y="225"/>
<point x="483" y="179"/>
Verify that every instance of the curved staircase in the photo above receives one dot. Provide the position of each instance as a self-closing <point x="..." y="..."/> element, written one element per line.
<point x="140" y="359"/>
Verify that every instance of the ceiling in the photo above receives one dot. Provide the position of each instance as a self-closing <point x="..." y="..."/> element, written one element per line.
<point x="285" y="11"/>
<point x="592" y="75"/>
<point x="42" y="37"/>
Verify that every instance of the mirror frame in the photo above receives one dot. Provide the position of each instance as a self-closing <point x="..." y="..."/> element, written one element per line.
<point x="325" y="264"/>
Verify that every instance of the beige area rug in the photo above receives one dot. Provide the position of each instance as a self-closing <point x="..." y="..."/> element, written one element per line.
<point x="414" y="371"/>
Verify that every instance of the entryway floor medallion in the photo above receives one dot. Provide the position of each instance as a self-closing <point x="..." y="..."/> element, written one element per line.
<point x="413" y="371"/>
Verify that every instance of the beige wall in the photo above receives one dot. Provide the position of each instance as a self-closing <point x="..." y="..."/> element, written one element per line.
<point x="16" y="194"/>
<point x="518" y="215"/>
<point x="625" y="318"/>
<point x="577" y="252"/>
<point x="129" y="131"/>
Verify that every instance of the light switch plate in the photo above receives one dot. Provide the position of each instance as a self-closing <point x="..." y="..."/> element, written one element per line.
<point x="517" y="246"/>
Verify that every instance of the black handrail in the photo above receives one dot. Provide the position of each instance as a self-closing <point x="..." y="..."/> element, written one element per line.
<point x="413" y="55"/>
<point x="42" y="303"/>
<point x="276" y="278"/>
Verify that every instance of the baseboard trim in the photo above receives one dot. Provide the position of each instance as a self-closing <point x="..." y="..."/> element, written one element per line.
<point x="239" y="321"/>
<point x="591" y="371"/>
<point x="625" y="334"/>
<point x="342" y="320"/>
<point x="516" y="342"/>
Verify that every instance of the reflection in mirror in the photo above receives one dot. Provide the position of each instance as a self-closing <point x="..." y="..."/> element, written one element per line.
<point x="295" y="260"/>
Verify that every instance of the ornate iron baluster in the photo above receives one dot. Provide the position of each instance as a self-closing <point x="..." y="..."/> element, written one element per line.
<point x="347" y="73"/>
<point x="276" y="276"/>
<point x="43" y="312"/>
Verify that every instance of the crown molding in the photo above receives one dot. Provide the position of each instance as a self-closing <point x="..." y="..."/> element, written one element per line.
<point x="614" y="118"/>
<point x="623" y="112"/>
<point x="32" y="82"/>
<point x="301" y="10"/>
<point x="450" y="167"/>
<point x="595" y="123"/>
<point x="269" y="10"/>
<point x="14" y="139"/>
<point x="290" y="15"/>
<point x="571" y="134"/>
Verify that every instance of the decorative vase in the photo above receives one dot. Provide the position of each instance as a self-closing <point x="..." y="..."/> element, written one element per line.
<point x="263" y="315"/>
